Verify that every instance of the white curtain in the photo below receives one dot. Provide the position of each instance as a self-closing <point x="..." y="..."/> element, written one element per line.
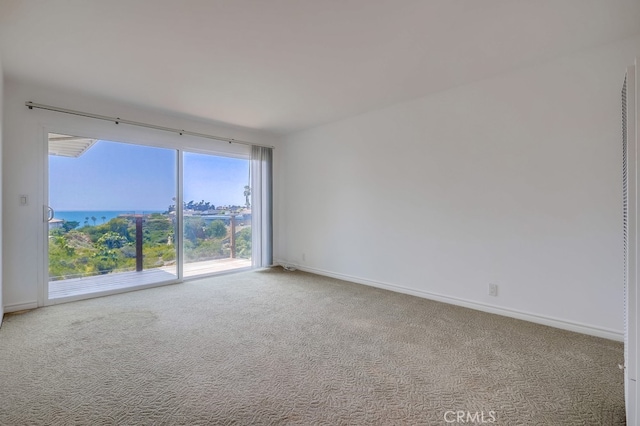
<point x="261" y="206"/>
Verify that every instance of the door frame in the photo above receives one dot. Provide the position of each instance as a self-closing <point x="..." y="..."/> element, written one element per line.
<point x="43" y="237"/>
<point x="147" y="139"/>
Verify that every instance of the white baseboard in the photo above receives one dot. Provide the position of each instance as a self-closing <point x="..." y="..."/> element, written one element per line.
<point x="512" y="313"/>
<point x="20" y="307"/>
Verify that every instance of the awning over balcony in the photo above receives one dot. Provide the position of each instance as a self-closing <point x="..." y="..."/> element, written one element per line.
<point x="68" y="146"/>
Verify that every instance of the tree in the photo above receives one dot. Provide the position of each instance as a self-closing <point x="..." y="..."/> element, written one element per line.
<point x="104" y="219"/>
<point x="205" y="250"/>
<point x="69" y="225"/>
<point x="194" y="228"/>
<point x="64" y="245"/>
<point x="120" y="226"/>
<point x="157" y="229"/>
<point x="200" y="206"/>
<point x="112" y="240"/>
<point x="61" y="259"/>
<point x="93" y="218"/>
<point x="105" y="260"/>
<point x="243" y="243"/>
<point x="217" y="229"/>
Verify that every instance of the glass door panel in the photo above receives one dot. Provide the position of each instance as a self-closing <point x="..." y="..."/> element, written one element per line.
<point x="110" y="226"/>
<point x="216" y="214"/>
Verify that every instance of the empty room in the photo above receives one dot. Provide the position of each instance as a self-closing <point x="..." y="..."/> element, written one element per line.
<point x="359" y="212"/>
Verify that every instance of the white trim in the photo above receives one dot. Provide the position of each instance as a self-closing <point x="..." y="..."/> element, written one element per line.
<point x="179" y="230"/>
<point x="633" y="261"/>
<point x="43" y="229"/>
<point x="512" y="313"/>
<point x="20" y="307"/>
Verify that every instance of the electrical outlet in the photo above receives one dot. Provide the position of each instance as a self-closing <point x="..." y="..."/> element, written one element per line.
<point x="493" y="290"/>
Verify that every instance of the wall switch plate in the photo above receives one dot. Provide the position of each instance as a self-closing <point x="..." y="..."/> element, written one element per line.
<point x="24" y="200"/>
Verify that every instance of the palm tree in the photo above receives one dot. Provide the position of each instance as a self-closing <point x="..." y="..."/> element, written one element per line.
<point x="104" y="218"/>
<point x="93" y="218"/>
<point x="247" y="194"/>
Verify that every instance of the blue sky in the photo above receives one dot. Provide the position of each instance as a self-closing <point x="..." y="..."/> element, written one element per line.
<point x="117" y="176"/>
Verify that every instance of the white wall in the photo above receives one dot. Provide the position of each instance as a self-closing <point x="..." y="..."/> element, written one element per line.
<point x="25" y="159"/>
<point x="515" y="180"/>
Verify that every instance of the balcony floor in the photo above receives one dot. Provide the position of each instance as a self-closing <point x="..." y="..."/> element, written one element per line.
<point x="117" y="281"/>
<point x="193" y="269"/>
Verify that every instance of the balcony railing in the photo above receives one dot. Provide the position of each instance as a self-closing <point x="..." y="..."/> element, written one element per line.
<point x="112" y="255"/>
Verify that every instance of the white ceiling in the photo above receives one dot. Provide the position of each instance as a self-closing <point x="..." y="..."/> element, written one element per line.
<point x="286" y="65"/>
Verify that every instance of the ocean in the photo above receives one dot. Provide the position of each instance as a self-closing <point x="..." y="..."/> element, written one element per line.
<point x="101" y="216"/>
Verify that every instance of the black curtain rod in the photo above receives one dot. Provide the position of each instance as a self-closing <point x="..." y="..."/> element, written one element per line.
<point x="118" y="120"/>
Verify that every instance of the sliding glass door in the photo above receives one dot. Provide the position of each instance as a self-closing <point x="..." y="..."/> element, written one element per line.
<point x="217" y="214"/>
<point x="114" y="211"/>
<point x="109" y="221"/>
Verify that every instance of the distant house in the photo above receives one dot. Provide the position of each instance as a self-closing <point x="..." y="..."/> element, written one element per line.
<point x="245" y="218"/>
<point x="55" y="223"/>
<point x="240" y="219"/>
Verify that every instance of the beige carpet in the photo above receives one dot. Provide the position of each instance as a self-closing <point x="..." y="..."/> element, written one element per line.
<point x="275" y="347"/>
